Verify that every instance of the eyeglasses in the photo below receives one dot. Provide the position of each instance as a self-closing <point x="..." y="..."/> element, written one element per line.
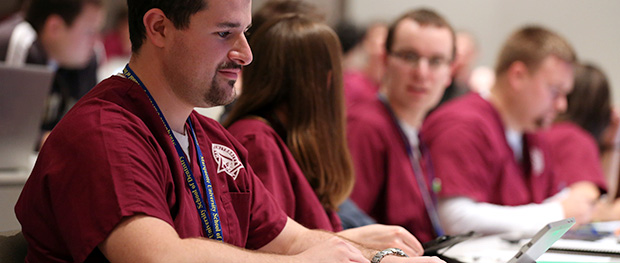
<point x="413" y="59"/>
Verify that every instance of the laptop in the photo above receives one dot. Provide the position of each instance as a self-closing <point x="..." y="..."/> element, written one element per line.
<point x="542" y="241"/>
<point x="23" y="93"/>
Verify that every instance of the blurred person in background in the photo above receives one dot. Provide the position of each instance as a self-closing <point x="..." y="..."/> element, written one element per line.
<point x="585" y="141"/>
<point x="363" y="60"/>
<point x="392" y="169"/>
<point x="116" y="40"/>
<point x="466" y="56"/>
<point x="61" y="34"/>
<point x="494" y="170"/>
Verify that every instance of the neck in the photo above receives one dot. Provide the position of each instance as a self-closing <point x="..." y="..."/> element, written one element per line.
<point x="499" y="99"/>
<point x="411" y="116"/>
<point x="175" y="110"/>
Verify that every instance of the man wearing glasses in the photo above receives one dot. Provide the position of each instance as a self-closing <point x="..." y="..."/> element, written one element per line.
<point x="393" y="174"/>
<point x="495" y="170"/>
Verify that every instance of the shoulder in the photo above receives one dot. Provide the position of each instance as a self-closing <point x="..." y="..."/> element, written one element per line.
<point x="255" y="134"/>
<point x="470" y="114"/>
<point x="368" y="114"/>
<point x="468" y="108"/>
<point x="248" y="127"/>
<point x="567" y="133"/>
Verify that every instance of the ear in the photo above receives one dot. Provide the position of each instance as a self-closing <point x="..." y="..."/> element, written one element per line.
<point x="517" y="74"/>
<point x="156" y="23"/>
<point x="53" y="26"/>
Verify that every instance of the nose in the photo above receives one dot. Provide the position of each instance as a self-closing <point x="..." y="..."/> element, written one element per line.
<point x="421" y="69"/>
<point x="241" y="52"/>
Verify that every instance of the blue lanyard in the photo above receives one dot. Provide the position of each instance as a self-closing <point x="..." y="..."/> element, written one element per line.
<point x="429" y="200"/>
<point x="212" y="225"/>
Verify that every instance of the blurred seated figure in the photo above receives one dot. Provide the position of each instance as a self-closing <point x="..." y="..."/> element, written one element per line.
<point x="393" y="172"/>
<point x="116" y="41"/>
<point x="363" y="61"/>
<point x="466" y="77"/>
<point x="466" y="56"/>
<point x="585" y="139"/>
<point x="117" y="47"/>
<point x="60" y="34"/>
<point x="493" y="166"/>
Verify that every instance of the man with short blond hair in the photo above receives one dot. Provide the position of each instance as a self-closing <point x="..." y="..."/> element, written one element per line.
<point x="494" y="170"/>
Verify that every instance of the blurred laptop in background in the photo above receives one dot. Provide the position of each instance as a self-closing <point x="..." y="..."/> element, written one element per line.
<point x="23" y="92"/>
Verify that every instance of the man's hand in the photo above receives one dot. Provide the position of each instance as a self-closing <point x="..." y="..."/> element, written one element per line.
<point x="381" y="237"/>
<point x="580" y="202"/>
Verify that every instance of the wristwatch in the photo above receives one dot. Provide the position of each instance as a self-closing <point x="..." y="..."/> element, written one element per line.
<point x="386" y="252"/>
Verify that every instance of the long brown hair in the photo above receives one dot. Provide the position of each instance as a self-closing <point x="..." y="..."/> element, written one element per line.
<point x="589" y="104"/>
<point x="297" y="73"/>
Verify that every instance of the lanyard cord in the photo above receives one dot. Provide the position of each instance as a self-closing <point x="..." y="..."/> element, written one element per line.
<point x="429" y="201"/>
<point x="211" y="225"/>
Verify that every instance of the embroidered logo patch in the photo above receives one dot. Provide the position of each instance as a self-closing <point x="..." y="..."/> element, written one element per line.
<point x="227" y="160"/>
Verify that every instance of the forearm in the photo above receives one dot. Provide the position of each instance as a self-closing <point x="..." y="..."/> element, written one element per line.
<point x="610" y="161"/>
<point x="460" y="215"/>
<point x="148" y="239"/>
<point x="310" y="238"/>
<point x="206" y="250"/>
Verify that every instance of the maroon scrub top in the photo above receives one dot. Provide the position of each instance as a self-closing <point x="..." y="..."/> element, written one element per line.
<point x="385" y="185"/>
<point x="276" y="167"/>
<point x="575" y="156"/>
<point x="472" y="158"/>
<point x="110" y="158"/>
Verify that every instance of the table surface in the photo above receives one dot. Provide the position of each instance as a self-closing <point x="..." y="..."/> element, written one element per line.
<point x="494" y="249"/>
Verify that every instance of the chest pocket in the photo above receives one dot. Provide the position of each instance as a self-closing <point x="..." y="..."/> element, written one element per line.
<point x="237" y="206"/>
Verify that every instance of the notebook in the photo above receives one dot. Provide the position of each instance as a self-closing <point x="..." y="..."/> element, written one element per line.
<point x="596" y="238"/>
<point x="23" y="91"/>
<point x="542" y="241"/>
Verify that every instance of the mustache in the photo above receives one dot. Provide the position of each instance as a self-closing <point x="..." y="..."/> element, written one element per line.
<point x="229" y="65"/>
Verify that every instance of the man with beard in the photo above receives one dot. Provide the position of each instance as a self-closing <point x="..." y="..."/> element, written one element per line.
<point x="133" y="174"/>
<point x="493" y="172"/>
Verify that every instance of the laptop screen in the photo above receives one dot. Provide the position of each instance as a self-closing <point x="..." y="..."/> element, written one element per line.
<point x="23" y="92"/>
<point x="542" y="241"/>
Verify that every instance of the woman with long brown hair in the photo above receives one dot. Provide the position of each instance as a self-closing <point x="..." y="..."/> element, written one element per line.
<point x="290" y="117"/>
<point x="585" y="141"/>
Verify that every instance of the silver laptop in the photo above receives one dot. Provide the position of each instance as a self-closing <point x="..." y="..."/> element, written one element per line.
<point x="542" y="241"/>
<point x="23" y="92"/>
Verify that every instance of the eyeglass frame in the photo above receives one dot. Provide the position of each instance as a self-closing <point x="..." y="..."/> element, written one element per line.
<point x="413" y="59"/>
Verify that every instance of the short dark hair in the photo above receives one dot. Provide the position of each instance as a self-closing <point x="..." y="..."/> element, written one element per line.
<point x="178" y="11"/>
<point x="37" y="11"/>
<point x="423" y="17"/>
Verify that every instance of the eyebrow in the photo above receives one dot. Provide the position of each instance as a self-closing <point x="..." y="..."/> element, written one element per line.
<point x="231" y="25"/>
<point x="228" y="25"/>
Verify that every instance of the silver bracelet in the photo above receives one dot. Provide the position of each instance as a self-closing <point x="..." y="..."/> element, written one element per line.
<point x="386" y="252"/>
